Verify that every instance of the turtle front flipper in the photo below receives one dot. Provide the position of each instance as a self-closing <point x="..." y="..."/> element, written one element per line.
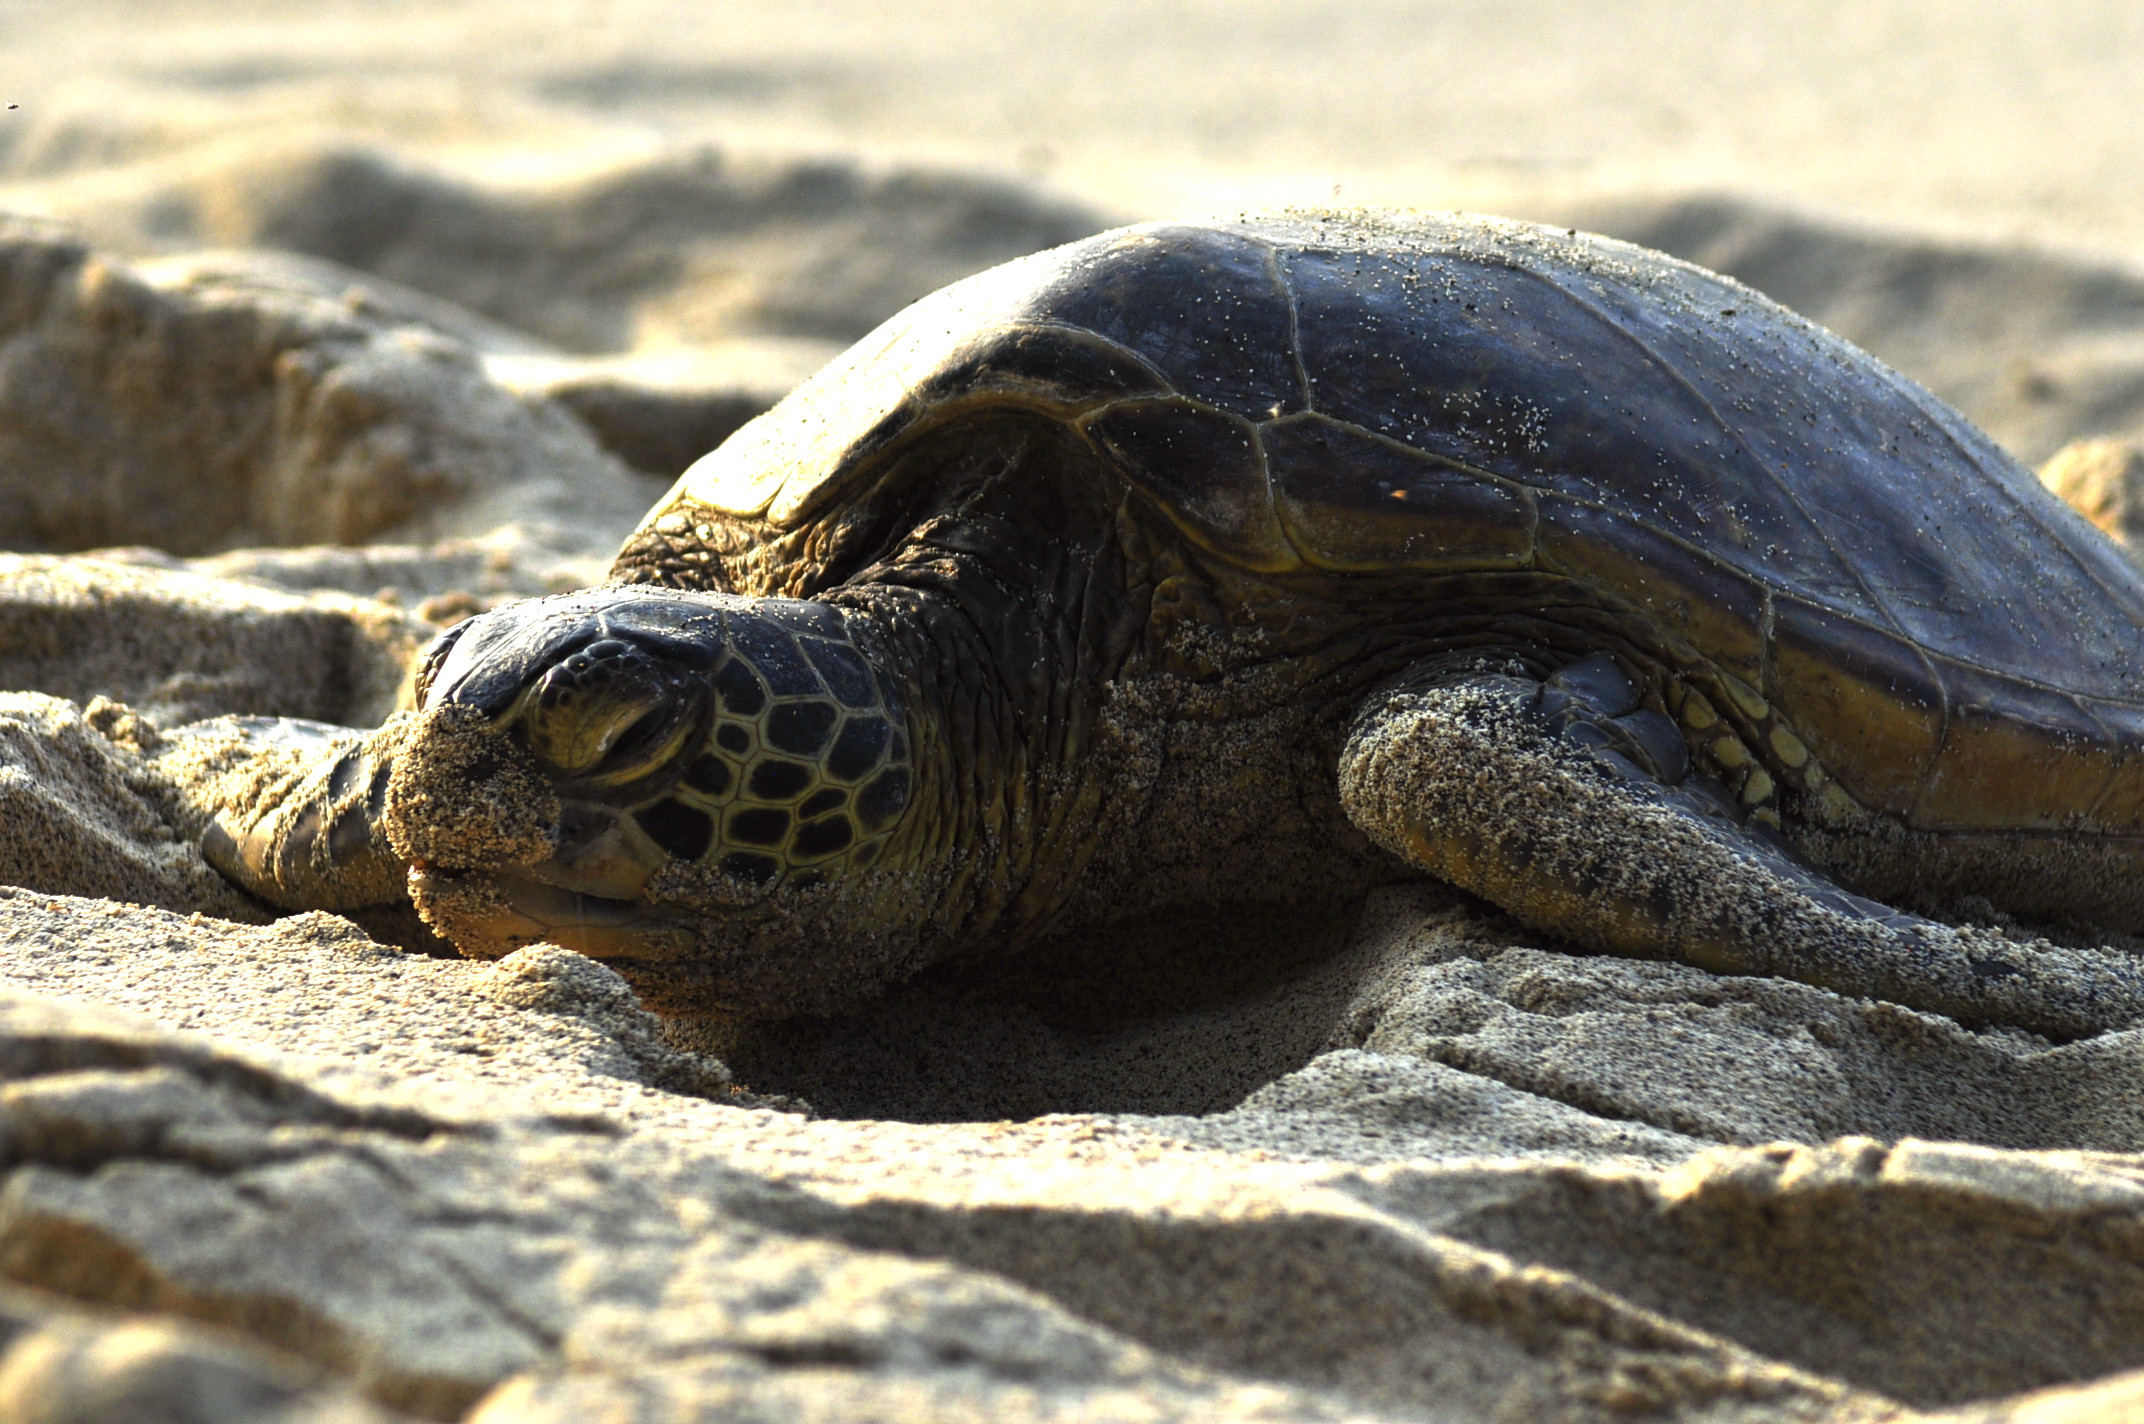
<point x="290" y="809"/>
<point x="1576" y="811"/>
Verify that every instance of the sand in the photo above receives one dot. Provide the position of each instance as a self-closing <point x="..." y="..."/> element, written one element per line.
<point x="324" y="326"/>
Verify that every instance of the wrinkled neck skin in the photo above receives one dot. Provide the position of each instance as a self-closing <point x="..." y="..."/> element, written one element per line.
<point x="996" y="616"/>
<point x="959" y="870"/>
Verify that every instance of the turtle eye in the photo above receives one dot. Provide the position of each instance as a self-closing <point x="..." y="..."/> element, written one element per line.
<point x="637" y="745"/>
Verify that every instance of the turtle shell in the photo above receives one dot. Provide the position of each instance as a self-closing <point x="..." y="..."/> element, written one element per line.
<point x="1360" y="394"/>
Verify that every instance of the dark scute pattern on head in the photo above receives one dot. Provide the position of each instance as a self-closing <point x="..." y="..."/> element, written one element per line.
<point x="731" y="737"/>
<point x="1350" y="501"/>
<point x="847" y="676"/>
<point x="800" y="728"/>
<point x="576" y="639"/>
<point x="682" y="629"/>
<point x="883" y="799"/>
<point x="778" y="780"/>
<point x="708" y="773"/>
<point x="501" y="652"/>
<point x="1057" y="364"/>
<point x="1205" y="468"/>
<point x="774" y="656"/>
<point x="758" y="869"/>
<point x="741" y="693"/>
<point x="822" y="801"/>
<point x="861" y="743"/>
<point x="679" y="829"/>
<point x="1202" y="306"/>
<point x="823" y="837"/>
<point x="757" y="825"/>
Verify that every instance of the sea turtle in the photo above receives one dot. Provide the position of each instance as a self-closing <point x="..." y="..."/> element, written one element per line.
<point x="1262" y="560"/>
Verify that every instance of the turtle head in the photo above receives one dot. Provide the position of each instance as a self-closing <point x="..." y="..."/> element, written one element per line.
<point x="653" y="778"/>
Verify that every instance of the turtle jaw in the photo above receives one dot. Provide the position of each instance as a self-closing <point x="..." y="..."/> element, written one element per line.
<point x="490" y="914"/>
<point x="753" y="962"/>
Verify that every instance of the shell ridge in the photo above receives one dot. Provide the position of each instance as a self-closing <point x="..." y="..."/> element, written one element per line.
<point x="1431" y="456"/>
<point x="2101" y="735"/>
<point x="1295" y="330"/>
<point x="2036" y="684"/>
<point x="2111" y="738"/>
<point x="1265" y="480"/>
<point x="2034" y="511"/>
<point x="1116" y="347"/>
<point x="1779" y="485"/>
<point x="1929" y="671"/>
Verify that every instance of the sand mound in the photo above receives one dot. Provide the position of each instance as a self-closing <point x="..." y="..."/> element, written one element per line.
<point x="687" y="248"/>
<point x="736" y="274"/>
<point x="194" y="411"/>
<point x="469" y="1197"/>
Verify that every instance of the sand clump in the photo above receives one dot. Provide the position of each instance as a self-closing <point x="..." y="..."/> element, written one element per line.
<point x="466" y="1191"/>
<point x="196" y="413"/>
<point x="2103" y="480"/>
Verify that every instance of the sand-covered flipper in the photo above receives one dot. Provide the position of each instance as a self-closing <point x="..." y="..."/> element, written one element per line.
<point x="1578" y="811"/>
<point x="291" y="809"/>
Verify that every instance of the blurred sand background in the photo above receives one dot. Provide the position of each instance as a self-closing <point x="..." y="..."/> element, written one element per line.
<point x="323" y="325"/>
<point x="2002" y="119"/>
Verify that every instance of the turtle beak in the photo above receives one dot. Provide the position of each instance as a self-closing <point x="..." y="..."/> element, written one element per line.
<point x="492" y="914"/>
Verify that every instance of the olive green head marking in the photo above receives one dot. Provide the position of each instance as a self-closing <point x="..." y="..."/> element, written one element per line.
<point x="803" y="772"/>
<point x="749" y="737"/>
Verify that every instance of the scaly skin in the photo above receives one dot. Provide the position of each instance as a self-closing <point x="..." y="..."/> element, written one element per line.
<point x="752" y="806"/>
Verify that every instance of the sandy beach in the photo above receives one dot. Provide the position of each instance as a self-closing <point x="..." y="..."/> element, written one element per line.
<point x="325" y="326"/>
<point x="2002" y="120"/>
